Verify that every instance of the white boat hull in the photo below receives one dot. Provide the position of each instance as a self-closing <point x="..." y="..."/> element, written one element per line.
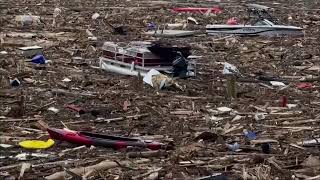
<point x="249" y="30"/>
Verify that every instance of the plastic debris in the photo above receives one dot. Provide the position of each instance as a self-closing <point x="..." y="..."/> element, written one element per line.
<point x="151" y="26"/>
<point x="157" y="80"/>
<point x="259" y="116"/>
<point x="224" y="109"/>
<point x="66" y="80"/>
<point x="15" y="82"/>
<point x="250" y="135"/>
<point x="233" y="21"/>
<point x="53" y="109"/>
<point x="95" y="16"/>
<point x="39" y="59"/>
<point x="230" y="69"/>
<point x="36" y="144"/>
<point x="6" y="145"/>
<point x="234" y="147"/>
<point x="277" y="83"/>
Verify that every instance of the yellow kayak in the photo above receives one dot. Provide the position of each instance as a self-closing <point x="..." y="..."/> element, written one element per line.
<point x="36" y="144"/>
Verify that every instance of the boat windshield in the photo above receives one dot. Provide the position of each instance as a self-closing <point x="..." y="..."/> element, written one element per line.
<point x="264" y="22"/>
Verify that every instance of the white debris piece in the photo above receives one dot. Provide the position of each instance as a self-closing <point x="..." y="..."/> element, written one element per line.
<point x="230" y="69"/>
<point x="291" y="105"/>
<point x="23" y="156"/>
<point x="53" y="109"/>
<point x="66" y="80"/>
<point x="95" y="16"/>
<point x="6" y="145"/>
<point x="259" y="116"/>
<point x="237" y="118"/>
<point x="148" y="77"/>
<point x="224" y="109"/>
<point x="193" y="20"/>
<point x="157" y="80"/>
<point x="277" y="83"/>
<point x="93" y="38"/>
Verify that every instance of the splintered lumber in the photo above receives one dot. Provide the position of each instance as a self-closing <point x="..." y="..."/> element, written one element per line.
<point x="69" y="93"/>
<point x="121" y="118"/>
<point x="104" y="165"/>
<point x="17" y="120"/>
<point x="112" y="119"/>
<point x="262" y="141"/>
<point x="147" y="154"/>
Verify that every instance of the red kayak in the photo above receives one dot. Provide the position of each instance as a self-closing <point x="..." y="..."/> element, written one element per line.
<point x="88" y="139"/>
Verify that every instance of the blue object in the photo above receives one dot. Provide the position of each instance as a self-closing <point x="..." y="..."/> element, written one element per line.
<point x="15" y="82"/>
<point x="152" y="26"/>
<point x="38" y="59"/>
<point x="250" y="135"/>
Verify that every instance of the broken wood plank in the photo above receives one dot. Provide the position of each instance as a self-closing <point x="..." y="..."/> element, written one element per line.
<point x="104" y="165"/>
<point x="112" y="119"/>
<point x="18" y="120"/>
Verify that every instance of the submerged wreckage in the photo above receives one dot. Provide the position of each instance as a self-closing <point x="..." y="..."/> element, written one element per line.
<point x="263" y="25"/>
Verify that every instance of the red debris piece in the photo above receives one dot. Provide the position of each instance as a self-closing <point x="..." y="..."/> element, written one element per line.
<point x="304" y="86"/>
<point x="75" y="108"/>
<point x="233" y="21"/>
<point x="283" y="101"/>
<point x="215" y="10"/>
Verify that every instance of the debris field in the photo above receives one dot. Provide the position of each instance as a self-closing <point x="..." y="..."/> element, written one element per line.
<point x="269" y="130"/>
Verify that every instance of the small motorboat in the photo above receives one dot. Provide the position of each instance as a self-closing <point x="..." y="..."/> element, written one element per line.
<point x="265" y="25"/>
